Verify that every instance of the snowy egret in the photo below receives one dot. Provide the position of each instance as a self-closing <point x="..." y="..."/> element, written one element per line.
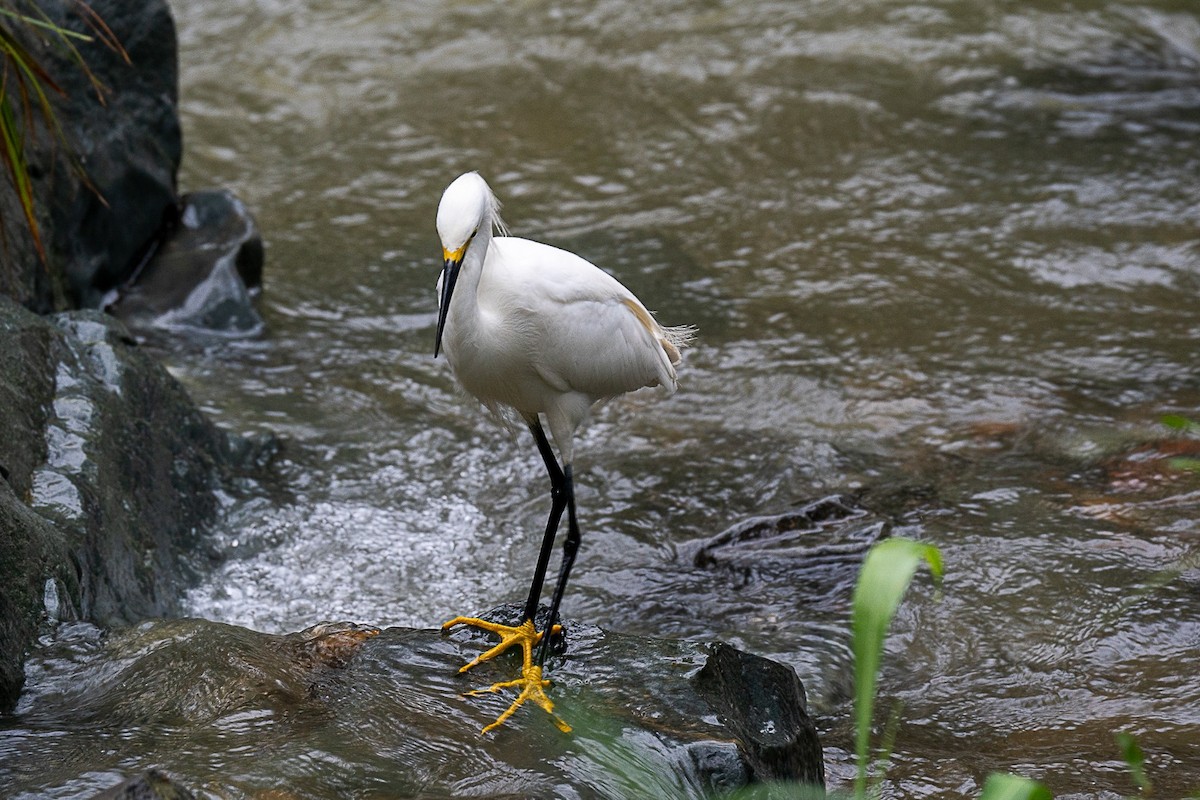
<point x="532" y="329"/>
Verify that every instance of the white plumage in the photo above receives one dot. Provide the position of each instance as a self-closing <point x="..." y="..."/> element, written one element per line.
<point x="541" y="331"/>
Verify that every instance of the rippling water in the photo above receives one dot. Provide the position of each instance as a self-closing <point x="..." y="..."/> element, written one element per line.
<point x="942" y="250"/>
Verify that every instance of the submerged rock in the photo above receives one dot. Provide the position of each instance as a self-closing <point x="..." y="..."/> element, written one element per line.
<point x="150" y="785"/>
<point x="339" y="709"/>
<point x="204" y="273"/>
<point x="111" y="476"/>
<point x="831" y="530"/>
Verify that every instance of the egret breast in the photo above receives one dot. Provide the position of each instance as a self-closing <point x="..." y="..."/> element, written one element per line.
<point x="492" y="362"/>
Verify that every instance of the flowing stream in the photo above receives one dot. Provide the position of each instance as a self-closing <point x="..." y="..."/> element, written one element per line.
<point x="941" y="253"/>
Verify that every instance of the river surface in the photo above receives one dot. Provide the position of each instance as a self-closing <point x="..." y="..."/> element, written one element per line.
<point x="940" y="252"/>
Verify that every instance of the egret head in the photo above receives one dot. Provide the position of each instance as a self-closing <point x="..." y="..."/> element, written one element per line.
<point x="465" y="205"/>
<point x="468" y="206"/>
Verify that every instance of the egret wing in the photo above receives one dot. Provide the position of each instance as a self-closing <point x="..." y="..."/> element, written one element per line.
<point x="588" y="332"/>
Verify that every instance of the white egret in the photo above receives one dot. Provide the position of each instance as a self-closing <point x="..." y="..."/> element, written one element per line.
<point x="538" y="330"/>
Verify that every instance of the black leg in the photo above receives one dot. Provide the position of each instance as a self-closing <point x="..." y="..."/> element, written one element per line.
<point x="559" y="498"/>
<point x="570" y="547"/>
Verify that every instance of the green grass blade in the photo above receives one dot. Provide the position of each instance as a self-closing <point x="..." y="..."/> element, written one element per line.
<point x="71" y="52"/>
<point x="886" y="572"/>
<point x="37" y="23"/>
<point x="13" y="155"/>
<point x="1135" y="759"/>
<point x="1005" y="786"/>
<point x="101" y="30"/>
<point x="1180" y="423"/>
<point x="16" y="54"/>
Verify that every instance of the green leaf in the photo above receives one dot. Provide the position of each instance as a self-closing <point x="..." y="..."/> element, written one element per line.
<point x="1180" y="423"/>
<point x="886" y="572"/>
<point x="1184" y="463"/>
<point x="1006" y="786"/>
<point x="1135" y="759"/>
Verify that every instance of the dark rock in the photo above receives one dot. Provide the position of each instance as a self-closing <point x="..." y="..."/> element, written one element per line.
<point x="203" y="273"/>
<point x="108" y="469"/>
<point x="763" y="703"/>
<point x="825" y="532"/>
<point x="26" y="389"/>
<point x="651" y="717"/>
<point x="130" y="472"/>
<point x="130" y="144"/>
<point x="121" y="235"/>
<point x="107" y="448"/>
<point x="150" y="785"/>
<point x="32" y="552"/>
<point x="34" y="561"/>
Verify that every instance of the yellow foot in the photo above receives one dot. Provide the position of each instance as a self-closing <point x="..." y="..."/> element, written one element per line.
<point x="531" y="683"/>
<point x="523" y="634"/>
<point x="533" y="687"/>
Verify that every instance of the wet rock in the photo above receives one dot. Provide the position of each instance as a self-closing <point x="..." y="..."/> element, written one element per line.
<point x="34" y="562"/>
<point x="326" y="644"/>
<point x="763" y="703"/>
<point x="810" y="539"/>
<point x="387" y="708"/>
<point x="32" y="552"/>
<point x="130" y="143"/>
<point x="1141" y="484"/>
<point x="150" y="785"/>
<point x="204" y="273"/>
<point x="26" y="388"/>
<point x="112" y="475"/>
